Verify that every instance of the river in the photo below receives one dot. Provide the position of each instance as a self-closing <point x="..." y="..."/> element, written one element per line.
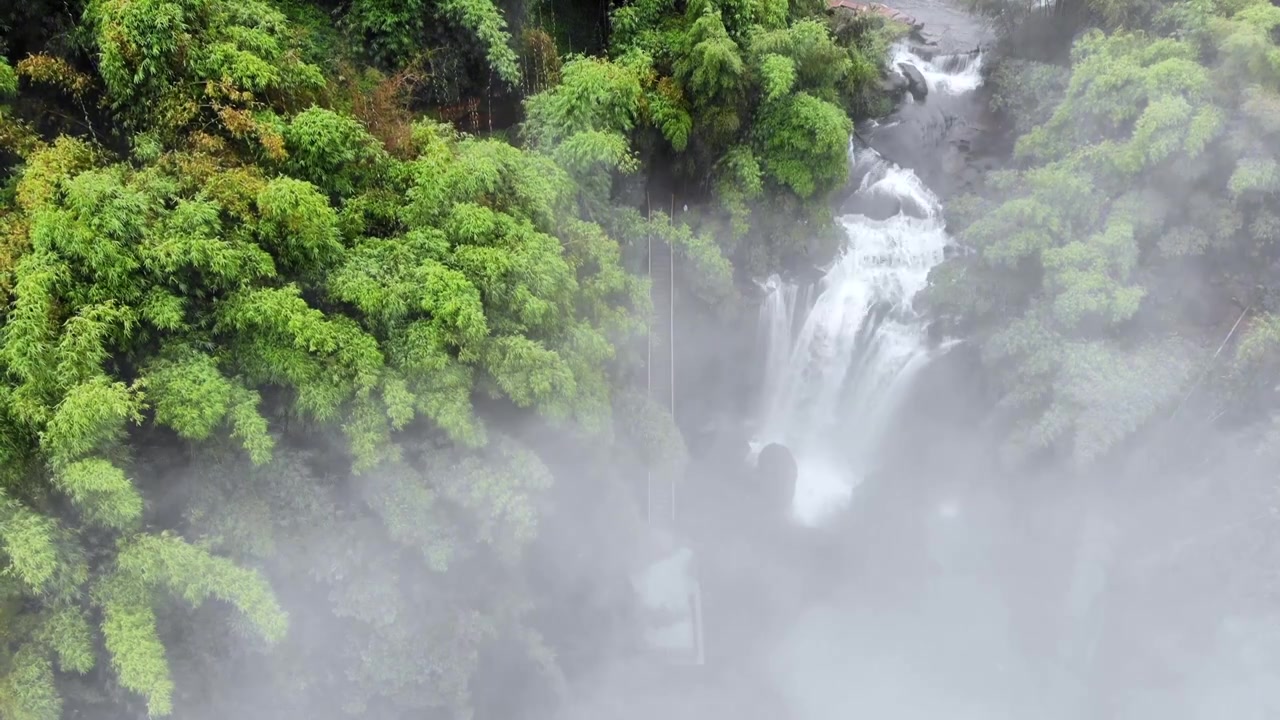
<point x="887" y="598"/>
<point x="920" y="626"/>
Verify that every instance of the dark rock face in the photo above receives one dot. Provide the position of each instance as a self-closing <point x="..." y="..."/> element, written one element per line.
<point x="776" y="473"/>
<point x="878" y="206"/>
<point x="894" y="84"/>
<point x="915" y="81"/>
<point x="872" y="205"/>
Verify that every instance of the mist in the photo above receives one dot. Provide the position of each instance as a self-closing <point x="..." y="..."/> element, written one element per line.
<point x="640" y="360"/>
<point x="920" y="573"/>
<point x="911" y="572"/>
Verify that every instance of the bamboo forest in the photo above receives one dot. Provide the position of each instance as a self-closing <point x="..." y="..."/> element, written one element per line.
<point x="639" y="359"/>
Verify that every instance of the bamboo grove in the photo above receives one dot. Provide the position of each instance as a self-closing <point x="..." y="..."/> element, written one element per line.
<point x="291" y="368"/>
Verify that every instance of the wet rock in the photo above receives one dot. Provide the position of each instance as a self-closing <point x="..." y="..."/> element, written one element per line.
<point x="915" y="81"/>
<point x="911" y="207"/>
<point x="876" y="206"/>
<point x="752" y="292"/>
<point x="958" y="62"/>
<point x="873" y="8"/>
<point x="810" y="274"/>
<point x="926" y="50"/>
<point x="935" y="333"/>
<point x="895" y="81"/>
<point x="776" y="472"/>
<point x="895" y="84"/>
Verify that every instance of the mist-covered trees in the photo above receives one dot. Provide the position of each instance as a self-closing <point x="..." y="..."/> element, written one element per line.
<point x="293" y="372"/>
<point x="249" y="286"/>
<point x="1147" y="172"/>
<point x="158" y="301"/>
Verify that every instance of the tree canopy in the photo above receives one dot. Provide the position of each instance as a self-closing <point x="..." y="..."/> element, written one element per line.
<point x="1135" y="230"/>
<point x="276" y="342"/>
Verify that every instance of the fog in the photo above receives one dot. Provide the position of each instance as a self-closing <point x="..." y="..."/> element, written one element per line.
<point x="899" y="570"/>
<point x="914" y="576"/>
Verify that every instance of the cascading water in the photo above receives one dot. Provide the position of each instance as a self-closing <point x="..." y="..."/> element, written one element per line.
<point x="951" y="74"/>
<point x="835" y="371"/>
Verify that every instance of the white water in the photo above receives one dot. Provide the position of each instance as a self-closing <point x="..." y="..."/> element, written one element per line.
<point x="836" y="371"/>
<point x="949" y="74"/>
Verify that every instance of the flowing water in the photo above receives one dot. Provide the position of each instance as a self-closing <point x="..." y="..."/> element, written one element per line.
<point x="839" y="356"/>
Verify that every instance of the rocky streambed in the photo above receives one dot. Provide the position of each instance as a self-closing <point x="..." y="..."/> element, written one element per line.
<point x="948" y="139"/>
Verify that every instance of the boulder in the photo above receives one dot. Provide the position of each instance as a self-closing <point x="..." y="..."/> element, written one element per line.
<point x="877" y="206"/>
<point x="776" y="472"/>
<point x="915" y="81"/>
<point x="927" y="51"/>
<point x="894" y="84"/>
<point x="936" y="332"/>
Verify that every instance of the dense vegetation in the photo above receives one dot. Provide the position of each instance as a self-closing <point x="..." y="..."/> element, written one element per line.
<point x="1136" y="227"/>
<point x="1123" y="288"/>
<point x="275" y="338"/>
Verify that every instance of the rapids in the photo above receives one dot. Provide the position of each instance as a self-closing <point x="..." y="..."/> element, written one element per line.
<point x="840" y="355"/>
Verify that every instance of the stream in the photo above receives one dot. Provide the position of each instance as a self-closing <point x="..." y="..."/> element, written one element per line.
<point x="963" y="592"/>
<point x="908" y="581"/>
<point x="934" y="638"/>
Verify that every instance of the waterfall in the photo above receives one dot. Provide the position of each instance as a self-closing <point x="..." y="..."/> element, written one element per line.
<point x="832" y="386"/>
<point x="775" y="330"/>
<point x="950" y="74"/>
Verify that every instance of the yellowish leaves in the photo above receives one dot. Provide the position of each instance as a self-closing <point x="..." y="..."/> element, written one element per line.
<point x="18" y="137"/>
<point x="14" y="243"/>
<point x="207" y="144"/>
<point x="540" y="60"/>
<point x="243" y="125"/>
<point x="235" y="190"/>
<point x="45" y="68"/>
<point x="238" y="122"/>
<point x="221" y="89"/>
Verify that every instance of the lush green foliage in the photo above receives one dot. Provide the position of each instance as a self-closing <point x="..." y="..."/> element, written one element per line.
<point x="262" y="310"/>
<point x="1152" y="167"/>
<point x="274" y="342"/>
<point x="749" y="102"/>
